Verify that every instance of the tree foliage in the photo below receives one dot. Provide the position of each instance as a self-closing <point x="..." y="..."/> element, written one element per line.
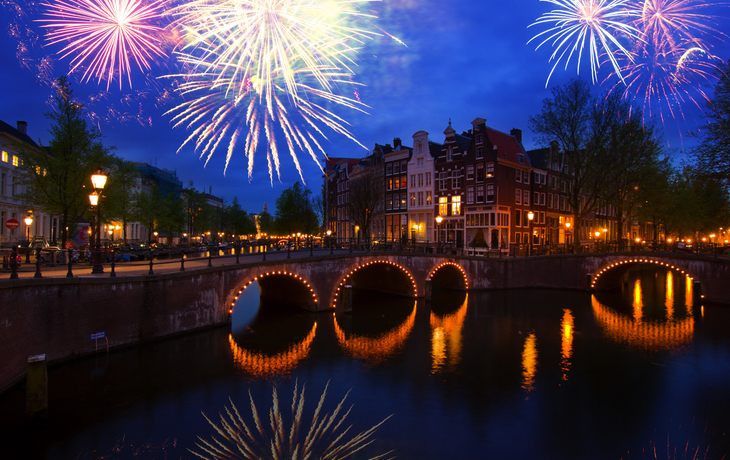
<point x="712" y="154"/>
<point x="118" y="202"/>
<point x="57" y="178"/>
<point x="238" y="221"/>
<point x="295" y="211"/>
<point x="366" y="196"/>
<point x="605" y="146"/>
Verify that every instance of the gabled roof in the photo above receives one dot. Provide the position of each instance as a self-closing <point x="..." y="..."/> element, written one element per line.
<point x="434" y="148"/>
<point x="539" y="157"/>
<point x="6" y="128"/>
<point x="463" y="142"/>
<point x="507" y="147"/>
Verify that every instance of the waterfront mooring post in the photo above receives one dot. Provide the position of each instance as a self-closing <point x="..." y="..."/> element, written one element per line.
<point x="347" y="299"/>
<point x="427" y="289"/>
<point x="36" y="395"/>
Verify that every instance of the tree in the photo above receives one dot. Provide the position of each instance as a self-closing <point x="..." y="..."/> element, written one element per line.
<point x="119" y="197"/>
<point x="148" y="210"/>
<point x="200" y="213"/>
<point x="266" y="223"/>
<point x="712" y="154"/>
<point x="366" y="196"/>
<point x="603" y="144"/>
<point x="238" y="220"/>
<point x="56" y="178"/>
<point x="295" y="212"/>
<point x="172" y="214"/>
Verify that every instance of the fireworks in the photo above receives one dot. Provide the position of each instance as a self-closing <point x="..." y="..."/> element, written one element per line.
<point x="587" y="23"/>
<point x="266" y="68"/>
<point x="104" y="36"/>
<point x="325" y="437"/>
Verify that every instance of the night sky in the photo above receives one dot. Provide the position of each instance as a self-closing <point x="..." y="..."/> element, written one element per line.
<point x="462" y="60"/>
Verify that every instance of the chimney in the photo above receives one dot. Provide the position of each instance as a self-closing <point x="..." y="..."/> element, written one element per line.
<point x="396" y="143"/>
<point x="23" y="127"/>
<point x="517" y="133"/>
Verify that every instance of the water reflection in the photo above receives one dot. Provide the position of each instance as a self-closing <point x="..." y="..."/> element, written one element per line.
<point x="648" y="328"/>
<point x="529" y="362"/>
<point x="263" y="365"/>
<point x="567" y="326"/>
<point x="376" y="349"/>
<point x="446" y="338"/>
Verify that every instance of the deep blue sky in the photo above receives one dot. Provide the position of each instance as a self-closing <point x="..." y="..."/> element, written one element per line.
<point x="463" y="60"/>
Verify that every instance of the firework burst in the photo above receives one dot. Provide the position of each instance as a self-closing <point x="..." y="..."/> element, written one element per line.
<point x="599" y="25"/>
<point x="105" y="36"/>
<point x="266" y="69"/>
<point x="324" y="438"/>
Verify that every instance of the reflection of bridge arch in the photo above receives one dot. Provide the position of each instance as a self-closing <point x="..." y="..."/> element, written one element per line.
<point x="376" y="349"/>
<point x="461" y="270"/>
<point x="348" y="276"/>
<point x="278" y="292"/>
<point x="262" y="365"/>
<point x="639" y="333"/>
<point x="634" y="261"/>
<point x="446" y="337"/>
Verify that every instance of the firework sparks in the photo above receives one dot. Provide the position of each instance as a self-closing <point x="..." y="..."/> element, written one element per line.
<point x="264" y="69"/>
<point x="325" y="437"/>
<point x="581" y="24"/>
<point x="105" y="36"/>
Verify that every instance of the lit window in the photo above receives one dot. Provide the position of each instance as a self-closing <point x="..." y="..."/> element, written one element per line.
<point x="5" y="156"/>
<point x="443" y="206"/>
<point x="455" y="205"/>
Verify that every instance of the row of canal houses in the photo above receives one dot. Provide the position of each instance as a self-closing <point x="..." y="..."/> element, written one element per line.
<point x="482" y="183"/>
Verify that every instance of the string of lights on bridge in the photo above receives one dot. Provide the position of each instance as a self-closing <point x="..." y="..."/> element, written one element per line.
<point x="466" y="279"/>
<point x="256" y="278"/>
<point x="344" y="280"/>
<point x="639" y="260"/>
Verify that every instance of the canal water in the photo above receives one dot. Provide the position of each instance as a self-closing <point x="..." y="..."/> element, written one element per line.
<point x="633" y="373"/>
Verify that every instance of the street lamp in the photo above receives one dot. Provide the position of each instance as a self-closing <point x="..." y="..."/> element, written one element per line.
<point x="567" y="234"/>
<point x="28" y="223"/>
<point x="530" y="216"/>
<point x="98" y="180"/>
<point x="438" y="230"/>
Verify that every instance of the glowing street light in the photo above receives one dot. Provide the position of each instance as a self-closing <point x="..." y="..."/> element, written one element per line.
<point x="438" y="230"/>
<point x="98" y="180"/>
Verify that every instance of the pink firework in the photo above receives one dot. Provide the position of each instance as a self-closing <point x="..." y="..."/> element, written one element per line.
<point x="105" y="36"/>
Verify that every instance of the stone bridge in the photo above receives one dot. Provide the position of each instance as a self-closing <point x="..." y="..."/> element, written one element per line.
<point x="58" y="316"/>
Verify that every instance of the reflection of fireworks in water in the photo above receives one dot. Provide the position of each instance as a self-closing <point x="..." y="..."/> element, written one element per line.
<point x="586" y="23"/>
<point x="130" y="449"/>
<point x="104" y="35"/>
<point x="682" y="443"/>
<point x="325" y="437"/>
<point x="256" y="67"/>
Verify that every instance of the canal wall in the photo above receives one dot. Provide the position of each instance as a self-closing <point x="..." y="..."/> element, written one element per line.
<point x="57" y="316"/>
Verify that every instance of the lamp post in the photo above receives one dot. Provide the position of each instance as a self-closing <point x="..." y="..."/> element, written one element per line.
<point x="438" y="232"/>
<point x="597" y="235"/>
<point x="567" y="234"/>
<point x="530" y="217"/>
<point x="28" y="223"/>
<point x="98" y="180"/>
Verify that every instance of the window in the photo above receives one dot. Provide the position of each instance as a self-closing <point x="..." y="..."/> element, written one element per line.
<point x="413" y="180"/>
<point x="428" y="178"/>
<point x="396" y="167"/>
<point x="456" y="182"/>
<point x="562" y="186"/>
<point x="445" y="182"/>
<point x="420" y="198"/>
<point x="518" y="217"/>
<point x="562" y="203"/>
<point x="542" y="199"/>
<point x="389" y="184"/>
<point x="396" y="201"/>
<point x="420" y="161"/>
<point x="339" y="199"/>
<point x="449" y="154"/>
<point x="490" y="193"/>
<point x="429" y="202"/>
<point x="347" y="185"/>
<point x="470" y="172"/>
<point x="404" y="182"/>
<point x="420" y="180"/>
<point x="388" y="169"/>
<point x="550" y="200"/>
<point x="518" y="176"/>
<point x="480" y="194"/>
<point x="339" y="187"/>
<point x="525" y="177"/>
<point x="526" y="197"/>
<point x="536" y="198"/>
<point x="404" y="166"/>
<point x="518" y="196"/>
<point x="480" y="153"/>
<point x="470" y="194"/>
<point x="455" y="205"/>
<point x="5" y="156"/>
<point x="479" y="138"/>
<point x="389" y="202"/>
<point x="3" y="184"/>
<point x="396" y="183"/>
<point x="443" y="206"/>
<point x="480" y="173"/>
<point x="542" y="217"/>
<point x="490" y="169"/>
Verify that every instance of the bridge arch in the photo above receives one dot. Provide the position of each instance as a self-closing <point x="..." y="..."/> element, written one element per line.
<point x="294" y="289"/>
<point x="603" y="276"/>
<point x="453" y="279"/>
<point x="391" y="286"/>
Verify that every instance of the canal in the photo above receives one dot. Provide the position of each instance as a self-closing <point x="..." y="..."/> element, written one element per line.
<point x="633" y="373"/>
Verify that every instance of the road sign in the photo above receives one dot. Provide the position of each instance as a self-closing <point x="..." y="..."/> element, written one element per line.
<point x="12" y="224"/>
